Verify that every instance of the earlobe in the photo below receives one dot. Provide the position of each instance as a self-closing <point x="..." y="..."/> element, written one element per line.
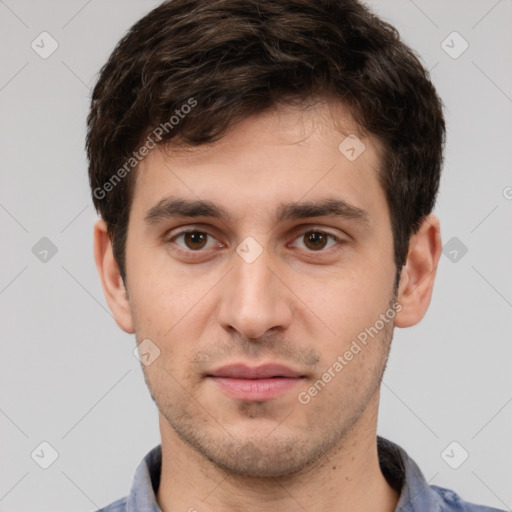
<point x="110" y="276"/>
<point x="418" y="273"/>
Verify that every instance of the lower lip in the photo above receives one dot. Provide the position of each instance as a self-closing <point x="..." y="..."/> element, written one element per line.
<point x="256" y="389"/>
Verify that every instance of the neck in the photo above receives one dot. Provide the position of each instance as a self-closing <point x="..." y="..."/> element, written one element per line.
<point x="347" y="479"/>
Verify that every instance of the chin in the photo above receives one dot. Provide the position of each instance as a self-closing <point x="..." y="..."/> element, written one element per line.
<point x="253" y="459"/>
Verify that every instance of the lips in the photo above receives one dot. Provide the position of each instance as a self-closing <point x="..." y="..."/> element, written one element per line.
<point x="242" y="371"/>
<point x="259" y="383"/>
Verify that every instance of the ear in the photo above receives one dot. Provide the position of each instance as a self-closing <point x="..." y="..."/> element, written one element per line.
<point x="111" y="280"/>
<point x="418" y="274"/>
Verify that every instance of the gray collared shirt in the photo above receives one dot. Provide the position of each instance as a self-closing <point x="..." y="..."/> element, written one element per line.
<point x="402" y="473"/>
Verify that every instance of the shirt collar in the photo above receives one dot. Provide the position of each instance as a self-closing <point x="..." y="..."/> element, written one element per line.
<point x="142" y="497"/>
<point x="398" y="468"/>
<point x="403" y="474"/>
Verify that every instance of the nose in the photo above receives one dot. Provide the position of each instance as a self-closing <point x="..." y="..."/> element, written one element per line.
<point x="254" y="298"/>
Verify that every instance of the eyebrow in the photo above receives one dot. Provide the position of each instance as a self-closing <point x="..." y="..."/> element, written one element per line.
<point x="174" y="207"/>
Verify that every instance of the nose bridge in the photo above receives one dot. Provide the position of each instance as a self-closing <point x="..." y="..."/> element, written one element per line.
<point x="253" y="299"/>
<point x="254" y="278"/>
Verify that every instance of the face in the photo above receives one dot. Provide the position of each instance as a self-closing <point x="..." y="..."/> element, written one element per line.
<point x="271" y="300"/>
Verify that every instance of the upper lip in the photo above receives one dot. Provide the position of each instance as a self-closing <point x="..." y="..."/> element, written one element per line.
<point x="265" y="371"/>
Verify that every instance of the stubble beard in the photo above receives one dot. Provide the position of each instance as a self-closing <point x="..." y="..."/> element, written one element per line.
<point x="283" y="451"/>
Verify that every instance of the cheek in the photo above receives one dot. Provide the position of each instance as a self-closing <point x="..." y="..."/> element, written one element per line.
<point x="348" y="304"/>
<point x="160" y="296"/>
<point x="351" y="309"/>
<point x="348" y="377"/>
<point x="172" y="312"/>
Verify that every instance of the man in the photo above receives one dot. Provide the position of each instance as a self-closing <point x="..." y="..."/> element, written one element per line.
<point x="265" y="173"/>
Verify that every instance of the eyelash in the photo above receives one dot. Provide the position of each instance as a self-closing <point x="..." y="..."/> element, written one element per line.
<point x="301" y="233"/>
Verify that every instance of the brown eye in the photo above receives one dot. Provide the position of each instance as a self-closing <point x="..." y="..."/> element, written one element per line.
<point x="195" y="240"/>
<point x="315" y="240"/>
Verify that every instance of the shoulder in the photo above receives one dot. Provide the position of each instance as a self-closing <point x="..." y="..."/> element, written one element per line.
<point x="117" y="506"/>
<point x="452" y="502"/>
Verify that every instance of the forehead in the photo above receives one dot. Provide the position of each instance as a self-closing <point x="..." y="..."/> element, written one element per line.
<point x="278" y="156"/>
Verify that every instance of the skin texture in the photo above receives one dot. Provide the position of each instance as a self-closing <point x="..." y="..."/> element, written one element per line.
<point x="298" y="304"/>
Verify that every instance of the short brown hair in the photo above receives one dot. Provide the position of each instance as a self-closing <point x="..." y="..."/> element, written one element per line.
<point x="232" y="58"/>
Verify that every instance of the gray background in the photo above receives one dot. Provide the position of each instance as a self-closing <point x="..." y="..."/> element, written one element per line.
<point x="67" y="373"/>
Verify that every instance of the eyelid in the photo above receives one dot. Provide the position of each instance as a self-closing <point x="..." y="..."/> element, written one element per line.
<point x="305" y="228"/>
<point x="189" y="228"/>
